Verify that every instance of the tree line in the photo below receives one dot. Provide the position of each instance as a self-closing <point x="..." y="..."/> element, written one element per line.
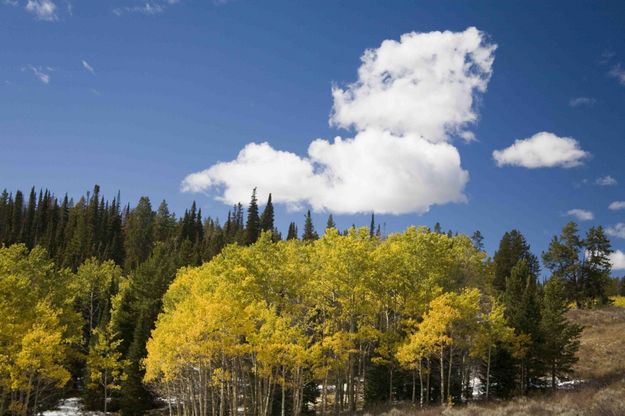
<point x="129" y="304"/>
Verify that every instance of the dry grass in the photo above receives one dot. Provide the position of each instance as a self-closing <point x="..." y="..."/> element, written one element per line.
<point x="588" y="401"/>
<point x="602" y="347"/>
<point x="601" y="364"/>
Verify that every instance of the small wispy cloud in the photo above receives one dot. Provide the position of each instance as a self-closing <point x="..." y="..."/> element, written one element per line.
<point x="42" y="74"/>
<point x="582" y="102"/>
<point x="88" y="67"/>
<point x="581" y="214"/>
<point x="616" y="205"/>
<point x="617" y="72"/>
<point x="148" y="9"/>
<point x="606" y="181"/>
<point x="43" y="10"/>
<point x="617" y="231"/>
<point x="606" y="56"/>
<point x="94" y="91"/>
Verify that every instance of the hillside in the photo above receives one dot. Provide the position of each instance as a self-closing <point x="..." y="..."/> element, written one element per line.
<point x="601" y="365"/>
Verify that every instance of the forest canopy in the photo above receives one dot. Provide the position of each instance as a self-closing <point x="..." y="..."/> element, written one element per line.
<point x="135" y="308"/>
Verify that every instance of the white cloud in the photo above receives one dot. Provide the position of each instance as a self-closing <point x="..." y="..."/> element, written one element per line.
<point x="606" y="181"/>
<point x="617" y="258"/>
<point x="617" y="72"/>
<point x="421" y="85"/>
<point x="42" y="9"/>
<point x="581" y="214"/>
<point x="40" y="73"/>
<point x="582" y="102"/>
<point x="411" y="97"/>
<point x="88" y="67"/>
<point x="616" y="205"/>
<point x="617" y="231"/>
<point x="148" y="8"/>
<point x="542" y="150"/>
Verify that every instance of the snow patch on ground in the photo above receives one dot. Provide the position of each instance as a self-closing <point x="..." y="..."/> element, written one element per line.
<point x="70" y="407"/>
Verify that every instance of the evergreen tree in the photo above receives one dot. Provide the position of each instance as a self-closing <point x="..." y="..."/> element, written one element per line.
<point x="478" y="240"/>
<point x="330" y="223"/>
<point x="292" y="233"/>
<point x="164" y="223"/>
<point x="597" y="267"/>
<point x="561" y="337"/>
<point x="562" y="258"/>
<point x="29" y="224"/>
<point x="267" y="217"/>
<point x="437" y="228"/>
<point x="139" y="233"/>
<point x="372" y="226"/>
<point x="522" y="310"/>
<point x="309" y="229"/>
<point x="18" y="212"/>
<point x="252" y="227"/>
<point x="512" y="248"/>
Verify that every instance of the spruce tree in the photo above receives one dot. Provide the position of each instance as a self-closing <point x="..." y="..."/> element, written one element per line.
<point x="292" y="233"/>
<point x="164" y="223"/>
<point x="512" y="248"/>
<point x="18" y="213"/>
<point x="252" y="227"/>
<point x="523" y="314"/>
<point x="139" y="233"/>
<point x="372" y="226"/>
<point x="330" y="223"/>
<point x="267" y="217"/>
<point x="561" y="337"/>
<point x="27" y="231"/>
<point x="437" y="228"/>
<point x="309" y="229"/>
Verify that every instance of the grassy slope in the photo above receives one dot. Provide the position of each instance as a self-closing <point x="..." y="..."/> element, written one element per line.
<point x="601" y="364"/>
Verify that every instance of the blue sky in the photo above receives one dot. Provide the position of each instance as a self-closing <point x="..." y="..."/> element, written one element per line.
<point x="169" y="88"/>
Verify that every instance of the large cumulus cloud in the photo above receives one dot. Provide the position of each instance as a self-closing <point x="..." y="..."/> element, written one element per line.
<point x="411" y="99"/>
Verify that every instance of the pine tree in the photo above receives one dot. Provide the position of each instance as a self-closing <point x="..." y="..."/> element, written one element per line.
<point x="252" y="227"/>
<point x="309" y="229"/>
<point x="478" y="240"/>
<point x="29" y="224"/>
<point x="292" y="233"/>
<point x="372" y="226"/>
<point x="330" y="223"/>
<point x="164" y="223"/>
<point x="512" y="248"/>
<point x="17" y="220"/>
<point x="267" y="217"/>
<point x="561" y="340"/>
<point x="597" y="267"/>
<point x="437" y="228"/>
<point x="139" y="233"/>
<point x="563" y="260"/>
<point x="522" y="310"/>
